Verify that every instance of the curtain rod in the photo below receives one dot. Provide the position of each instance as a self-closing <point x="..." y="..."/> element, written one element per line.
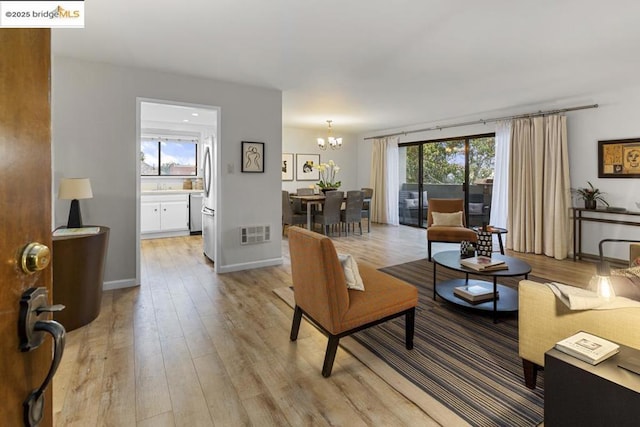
<point x="485" y="121"/>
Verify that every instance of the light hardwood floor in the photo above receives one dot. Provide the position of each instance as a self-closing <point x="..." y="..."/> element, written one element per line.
<point x="192" y="348"/>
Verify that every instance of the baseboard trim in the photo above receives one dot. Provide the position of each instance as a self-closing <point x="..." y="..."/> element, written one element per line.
<point x="250" y="265"/>
<point x="119" y="284"/>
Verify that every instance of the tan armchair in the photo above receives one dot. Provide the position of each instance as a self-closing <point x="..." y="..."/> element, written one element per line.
<point x="447" y="233"/>
<point x="321" y="294"/>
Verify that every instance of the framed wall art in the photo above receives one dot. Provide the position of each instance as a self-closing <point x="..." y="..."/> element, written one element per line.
<point x="252" y="156"/>
<point x="287" y="167"/>
<point x="619" y="158"/>
<point x="306" y="167"/>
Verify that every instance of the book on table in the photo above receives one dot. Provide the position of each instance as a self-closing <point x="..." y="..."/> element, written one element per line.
<point x="475" y="293"/>
<point x="588" y="348"/>
<point x="483" y="263"/>
<point x="76" y="231"/>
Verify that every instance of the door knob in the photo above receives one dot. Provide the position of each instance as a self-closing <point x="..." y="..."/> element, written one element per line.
<point x="31" y="330"/>
<point x="35" y="257"/>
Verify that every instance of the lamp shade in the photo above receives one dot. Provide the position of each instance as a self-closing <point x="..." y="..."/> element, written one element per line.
<point x="75" y="188"/>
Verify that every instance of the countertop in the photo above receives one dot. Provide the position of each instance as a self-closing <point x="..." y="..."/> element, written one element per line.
<point x="162" y="192"/>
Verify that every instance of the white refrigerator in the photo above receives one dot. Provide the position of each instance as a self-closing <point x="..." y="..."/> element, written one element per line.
<point x="209" y="200"/>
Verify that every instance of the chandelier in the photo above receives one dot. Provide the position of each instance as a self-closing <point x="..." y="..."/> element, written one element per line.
<point x="334" y="143"/>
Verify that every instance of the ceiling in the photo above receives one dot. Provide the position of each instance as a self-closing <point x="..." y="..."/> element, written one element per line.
<point x="374" y="64"/>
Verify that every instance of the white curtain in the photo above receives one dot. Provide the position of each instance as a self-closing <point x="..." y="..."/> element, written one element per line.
<point x="539" y="189"/>
<point x="385" y="181"/>
<point x="500" y="194"/>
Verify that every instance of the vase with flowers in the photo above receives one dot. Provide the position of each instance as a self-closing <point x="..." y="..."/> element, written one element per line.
<point x="328" y="173"/>
<point x="591" y="196"/>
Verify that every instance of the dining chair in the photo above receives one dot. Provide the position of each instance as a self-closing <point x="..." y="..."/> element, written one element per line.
<point x="289" y="217"/>
<point x="330" y="214"/>
<point x="304" y="191"/>
<point x="367" y="194"/>
<point x="321" y="294"/>
<point x="352" y="212"/>
<point x="298" y="206"/>
<point x="446" y="223"/>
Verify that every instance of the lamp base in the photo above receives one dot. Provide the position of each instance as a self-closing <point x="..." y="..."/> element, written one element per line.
<point x="75" y="217"/>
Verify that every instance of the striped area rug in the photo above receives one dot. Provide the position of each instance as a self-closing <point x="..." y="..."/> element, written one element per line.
<point x="460" y="357"/>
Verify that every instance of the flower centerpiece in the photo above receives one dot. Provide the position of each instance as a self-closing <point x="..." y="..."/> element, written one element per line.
<point x="591" y="196"/>
<point x="328" y="173"/>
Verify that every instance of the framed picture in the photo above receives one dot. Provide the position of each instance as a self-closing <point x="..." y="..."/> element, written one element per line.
<point x="619" y="158"/>
<point x="287" y="167"/>
<point x="252" y="156"/>
<point x="305" y="167"/>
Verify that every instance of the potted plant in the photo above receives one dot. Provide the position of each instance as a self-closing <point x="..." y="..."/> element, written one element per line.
<point x="328" y="173"/>
<point x="591" y="196"/>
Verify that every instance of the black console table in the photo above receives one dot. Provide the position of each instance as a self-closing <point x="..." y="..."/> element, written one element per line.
<point x="579" y="394"/>
<point x="604" y="215"/>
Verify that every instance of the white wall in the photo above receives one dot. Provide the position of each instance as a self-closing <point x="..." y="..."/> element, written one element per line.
<point x="616" y="118"/>
<point x="94" y="135"/>
<point x="303" y="141"/>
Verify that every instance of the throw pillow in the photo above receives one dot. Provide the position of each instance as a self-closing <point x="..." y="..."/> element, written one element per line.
<point x="476" y="208"/>
<point x="626" y="282"/>
<point x="414" y="195"/>
<point x="411" y="203"/>
<point x="453" y="219"/>
<point x="404" y="195"/>
<point x="351" y="272"/>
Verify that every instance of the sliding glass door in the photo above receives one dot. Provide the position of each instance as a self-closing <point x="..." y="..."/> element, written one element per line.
<point x="456" y="168"/>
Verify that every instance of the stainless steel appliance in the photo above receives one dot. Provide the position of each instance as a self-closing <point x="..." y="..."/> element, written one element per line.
<point x="209" y="200"/>
<point x="195" y="213"/>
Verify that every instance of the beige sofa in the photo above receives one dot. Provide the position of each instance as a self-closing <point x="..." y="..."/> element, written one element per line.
<point x="544" y="320"/>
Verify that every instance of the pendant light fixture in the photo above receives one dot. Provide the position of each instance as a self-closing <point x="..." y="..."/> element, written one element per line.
<point x="334" y="143"/>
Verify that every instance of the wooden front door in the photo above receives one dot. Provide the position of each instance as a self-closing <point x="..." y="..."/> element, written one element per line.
<point x="25" y="216"/>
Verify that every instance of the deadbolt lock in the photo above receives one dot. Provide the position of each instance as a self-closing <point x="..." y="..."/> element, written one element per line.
<point x="35" y="257"/>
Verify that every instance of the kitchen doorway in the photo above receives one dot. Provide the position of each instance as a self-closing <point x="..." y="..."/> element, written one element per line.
<point x="170" y="147"/>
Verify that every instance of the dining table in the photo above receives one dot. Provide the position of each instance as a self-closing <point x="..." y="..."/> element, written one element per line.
<point x="312" y="201"/>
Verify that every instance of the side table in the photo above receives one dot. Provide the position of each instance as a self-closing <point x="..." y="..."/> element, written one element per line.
<point x="579" y="394"/>
<point x="495" y="230"/>
<point x="78" y="271"/>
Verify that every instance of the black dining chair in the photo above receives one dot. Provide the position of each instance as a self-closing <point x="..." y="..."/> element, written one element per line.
<point x="330" y="215"/>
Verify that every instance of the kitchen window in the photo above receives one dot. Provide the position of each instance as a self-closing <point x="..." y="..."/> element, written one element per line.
<point x="168" y="157"/>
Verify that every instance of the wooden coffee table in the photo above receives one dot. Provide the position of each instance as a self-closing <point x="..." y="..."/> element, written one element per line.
<point x="508" y="297"/>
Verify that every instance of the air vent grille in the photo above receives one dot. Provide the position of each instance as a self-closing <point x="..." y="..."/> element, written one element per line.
<point x="251" y="234"/>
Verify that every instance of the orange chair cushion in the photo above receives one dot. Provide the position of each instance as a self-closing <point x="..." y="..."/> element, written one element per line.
<point x="438" y="233"/>
<point x="383" y="296"/>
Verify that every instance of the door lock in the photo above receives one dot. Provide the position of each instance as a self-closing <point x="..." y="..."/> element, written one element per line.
<point x="35" y="257"/>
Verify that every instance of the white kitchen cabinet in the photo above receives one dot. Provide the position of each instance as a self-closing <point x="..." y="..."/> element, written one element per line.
<point x="149" y="216"/>
<point x="164" y="215"/>
<point x="174" y="215"/>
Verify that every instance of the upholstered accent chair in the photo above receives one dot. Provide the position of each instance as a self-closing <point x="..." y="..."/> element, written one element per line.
<point x="447" y="227"/>
<point x="352" y="212"/>
<point x="367" y="194"/>
<point x="321" y="294"/>
<point x="330" y="214"/>
<point x="289" y="217"/>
